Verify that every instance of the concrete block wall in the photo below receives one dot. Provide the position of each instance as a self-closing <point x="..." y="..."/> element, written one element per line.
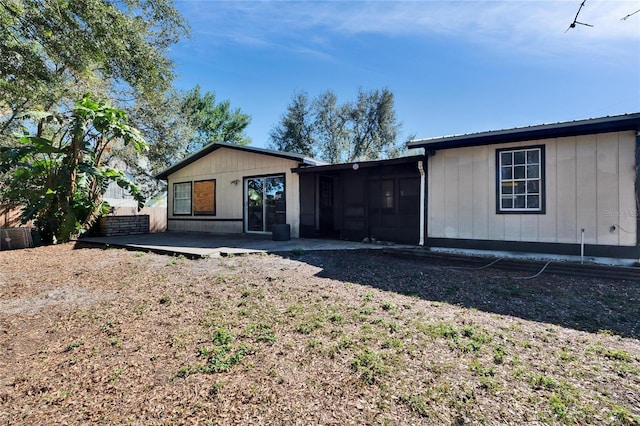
<point x="15" y="238"/>
<point x="109" y="226"/>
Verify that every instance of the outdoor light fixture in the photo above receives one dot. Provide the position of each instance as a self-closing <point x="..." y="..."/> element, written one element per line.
<point x="235" y="181"/>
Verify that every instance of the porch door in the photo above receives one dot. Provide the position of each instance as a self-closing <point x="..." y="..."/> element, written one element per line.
<point x="325" y="204"/>
<point x="264" y="203"/>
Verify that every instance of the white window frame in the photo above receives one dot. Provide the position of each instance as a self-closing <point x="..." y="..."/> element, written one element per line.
<point x="181" y="198"/>
<point x="516" y="170"/>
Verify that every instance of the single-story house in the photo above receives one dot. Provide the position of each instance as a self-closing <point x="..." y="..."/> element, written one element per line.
<point x="562" y="188"/>
<point x="226" y="188"/>
<point x="553" y="188"/>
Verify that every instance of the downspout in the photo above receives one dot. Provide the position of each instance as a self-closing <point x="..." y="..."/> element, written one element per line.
<point x="166" y="229"/>
<point x="422" y="182"/>
<point x="637" y="193"/>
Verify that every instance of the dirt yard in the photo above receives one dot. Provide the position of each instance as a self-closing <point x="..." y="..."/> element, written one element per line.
<point x="92" y="336"/>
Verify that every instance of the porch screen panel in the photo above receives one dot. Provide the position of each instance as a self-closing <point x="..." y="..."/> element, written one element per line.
<point x="409" y="189"/>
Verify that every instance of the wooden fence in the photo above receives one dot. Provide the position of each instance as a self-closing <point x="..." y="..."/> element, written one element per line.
<point x="10" y="216"/>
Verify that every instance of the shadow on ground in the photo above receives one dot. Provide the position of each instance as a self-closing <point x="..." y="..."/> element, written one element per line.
<point x="587" y="304"/>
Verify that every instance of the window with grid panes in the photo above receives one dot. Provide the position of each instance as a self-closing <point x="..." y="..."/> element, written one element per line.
<point x="520" y="178"/>
<point x="182" y="198"/>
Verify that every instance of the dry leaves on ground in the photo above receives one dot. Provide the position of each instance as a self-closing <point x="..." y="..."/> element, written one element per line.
<point x="113" y="337"/>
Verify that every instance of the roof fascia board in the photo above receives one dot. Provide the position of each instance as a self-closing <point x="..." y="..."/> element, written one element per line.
<point x="215" y="146"/>
<point x="361" y="164"/>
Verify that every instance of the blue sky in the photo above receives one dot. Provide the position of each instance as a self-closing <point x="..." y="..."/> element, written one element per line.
<point x="453" y="66"/>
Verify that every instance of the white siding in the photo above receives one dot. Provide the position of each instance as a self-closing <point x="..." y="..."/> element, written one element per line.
<point x="465" y="204"/>
<point x="586" y="182"/>
<point x="606" y="187"/>
<point x="627" y="208"/>
<point x="481" y="200"/>
<point x="497" y="228"/>
<point x="549" y="225"/>
<point x="229" y="167"/>
<point x="435" y="196"/>
<point x="589" y="182"/>
<point x="451" y="194"/>
<point x="565" y="221"/>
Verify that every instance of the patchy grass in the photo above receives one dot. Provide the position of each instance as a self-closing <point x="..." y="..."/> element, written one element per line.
<point x="315" y="338"/>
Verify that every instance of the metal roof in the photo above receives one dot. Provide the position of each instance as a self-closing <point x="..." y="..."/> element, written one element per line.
<point x="542" y="131"/>
<point x="217" y="145"/>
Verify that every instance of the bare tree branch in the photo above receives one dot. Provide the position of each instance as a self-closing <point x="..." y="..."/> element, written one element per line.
<point x="575" y="20"/>
<point x="629" y="15"/>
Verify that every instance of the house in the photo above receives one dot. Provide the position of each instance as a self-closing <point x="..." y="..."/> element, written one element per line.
<point x="226" y="188"/>
<point x="558" y="188"/>
<point x="564" y="188"/>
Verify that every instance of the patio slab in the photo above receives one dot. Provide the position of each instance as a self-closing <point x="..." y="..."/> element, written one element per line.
<point x="196" y="244"/>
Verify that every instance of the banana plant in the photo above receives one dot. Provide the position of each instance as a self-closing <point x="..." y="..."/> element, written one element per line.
<point x="59" y="174"/>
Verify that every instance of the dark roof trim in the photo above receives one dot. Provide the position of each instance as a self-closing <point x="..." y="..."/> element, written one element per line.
<point x="215" y="146"/>
<point x="361" y="164"/>
<point x="544" y="131"/>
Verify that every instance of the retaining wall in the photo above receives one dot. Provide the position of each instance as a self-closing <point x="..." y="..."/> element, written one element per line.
<point x="109" y="226"/>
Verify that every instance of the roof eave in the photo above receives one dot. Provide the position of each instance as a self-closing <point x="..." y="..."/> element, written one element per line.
<point x="164" y="175"/>
<point x="544" y="131"/>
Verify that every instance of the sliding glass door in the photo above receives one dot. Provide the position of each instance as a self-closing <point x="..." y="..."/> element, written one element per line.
<point x="264" y="203"/>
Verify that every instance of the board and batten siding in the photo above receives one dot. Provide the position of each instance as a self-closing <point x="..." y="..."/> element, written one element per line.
<point x="229" y="167"/>
<point x="590" y="184"/>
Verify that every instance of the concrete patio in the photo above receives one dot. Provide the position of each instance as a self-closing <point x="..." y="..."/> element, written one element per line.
<point x="195" y="244"/>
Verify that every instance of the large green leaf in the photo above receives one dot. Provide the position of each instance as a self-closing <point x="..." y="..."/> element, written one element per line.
<point x="60" y="178"/>
<point x="42" y="145"/>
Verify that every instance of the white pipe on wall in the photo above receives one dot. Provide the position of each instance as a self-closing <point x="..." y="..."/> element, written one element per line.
<point x="422" y="179"/>
<point x="582" y="246"/>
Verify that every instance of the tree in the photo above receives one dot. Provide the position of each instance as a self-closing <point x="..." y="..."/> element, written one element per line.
<point x="180" y="124"/>
<point x="60" y="175"/>
<point x="54" y="51"/>
<point x="363" y="130"/>
<point x="373" y="126"/>
<point x="331" y="125"/>
<point x="162" y="122"/>
<point x="213" y="122"/>
<point x="296" y="132"/>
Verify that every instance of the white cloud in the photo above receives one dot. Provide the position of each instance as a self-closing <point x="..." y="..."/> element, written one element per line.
<point x="495" y="17"/>
<point x="534" y="28"/>
<point x="516" y="22"/>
